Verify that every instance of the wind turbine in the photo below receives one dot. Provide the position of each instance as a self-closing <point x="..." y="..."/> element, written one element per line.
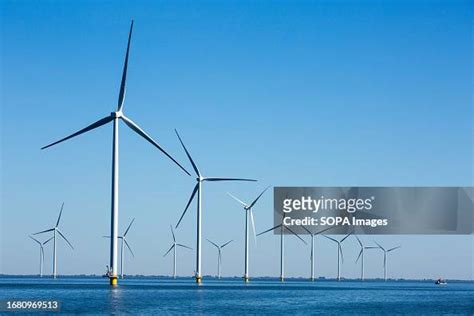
<point x="174" y="247"/>
<point x="340" y="256"/>
<point x="361" y="256"/>
<point x="124" y="243"/>
<point x="248" y="216"/>
<point x="312" y="246"/>
<point x="219" y="256"/>
<point x="41" y="244"/>
<point x="198" y="189"/>
<point x="385" y="252"/>
<point x="282" y="245"/>
<point x="55" y="230"/>
<point x="115" y="117"/>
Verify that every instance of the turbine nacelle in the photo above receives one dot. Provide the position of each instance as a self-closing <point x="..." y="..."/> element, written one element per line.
<point x="117" y="114"/>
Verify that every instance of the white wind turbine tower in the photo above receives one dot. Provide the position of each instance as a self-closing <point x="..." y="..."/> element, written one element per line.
<point x="340" y="256"/>
<point x="312" y="247"/>
<point x="41" y="244"/>
<point x="174" y="247"/>
<point x="361" y="256"/>
<point x="248" y="217"/>
<point x="385" y="252"/>
<point x="115" y="117"/>
<point x="219" y="255"/>
<point x="282" y="245"/>
<point x="55" y="230"/>
<point x="198" y="189"/>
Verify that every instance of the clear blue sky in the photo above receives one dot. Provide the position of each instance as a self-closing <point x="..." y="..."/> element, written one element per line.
<point x="292" y="93"/>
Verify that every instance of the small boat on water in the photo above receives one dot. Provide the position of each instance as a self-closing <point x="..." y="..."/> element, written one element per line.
<point x="440" y="282"/>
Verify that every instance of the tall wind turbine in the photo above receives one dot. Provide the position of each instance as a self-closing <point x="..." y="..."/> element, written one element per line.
<point x="55" y="230"/>
<point x="385" y="252"/>
<point x="174" y="247"/>
<point x="198" y="189"/>
<point x="248" y="217"/>
<point x="361" y="256"/>
<point x="340" y="256"/>
<point x="282" y="245"/>
<point x="312" y="246"/>
<point x="41" y="244"/>
<point x="115" y="117"/>
<point x="219" y="255"/>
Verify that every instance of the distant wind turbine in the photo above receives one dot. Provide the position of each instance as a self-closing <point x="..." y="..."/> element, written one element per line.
<point x="55" y="230"/>
<point x="248" y="217"/>
<point x="361" y="256"/>
<point x="115" y="117"/>
<point x="174" y="247"/>
<point x="122" y="252"/>
<point x="312" y="246"/>
<point x="219" y="255"/>
<point x="282" y="244"/>
<point x="340" y="256"/>
<point x="385" y="252"/>
<point x="41" y="244"/>
<point x="198" y="189"/>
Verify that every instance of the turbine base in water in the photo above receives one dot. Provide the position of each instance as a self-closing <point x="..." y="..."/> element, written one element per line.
<point x="246" y="279"/>
<point x="113" y="280"/>
<point x="198" y="279"/>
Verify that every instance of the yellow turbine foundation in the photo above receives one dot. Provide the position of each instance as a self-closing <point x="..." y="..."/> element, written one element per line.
<point x="113" y="280"/>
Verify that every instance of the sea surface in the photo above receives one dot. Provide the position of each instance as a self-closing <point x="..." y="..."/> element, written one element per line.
<point x="160" y="296"/>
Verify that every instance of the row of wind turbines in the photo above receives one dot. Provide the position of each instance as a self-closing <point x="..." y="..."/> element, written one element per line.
<point x="175" y="244"/>
<point x="115" y="117"/>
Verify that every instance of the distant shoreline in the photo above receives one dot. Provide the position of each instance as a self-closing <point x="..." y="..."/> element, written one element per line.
<point x="264" y="278"/>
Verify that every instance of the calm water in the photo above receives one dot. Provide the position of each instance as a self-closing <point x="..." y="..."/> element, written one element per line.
<point x="182" y="296"/>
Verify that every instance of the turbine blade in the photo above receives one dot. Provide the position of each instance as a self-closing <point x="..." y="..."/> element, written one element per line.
<point x="346" y="237"/>
<point x="172" y="233"/>
<point x="184" y="246"/>
<point x="188" y="154"/>
<point x="227" y="243"/>
<point x="371" y="247"/>
<point x="189" y="202"/>
<point x="128" y="228"/>
<point x="342" y="255"/>
<point x="360" y="254"/>
<point x="237" y="199"/>
<point x="258" y="197"/>
<point x="291" y="231"/>
<point x="171" y="248"/>
<point x="61" y="234"/>
<point x="379" y="246"/>
<point x="60" y="212"/>
<point x="140" y="132"/>
<point x="99" y="123"/>
<point x="227" y="179"/>
<point x="252" y="222"/>
<point x="331" y="238"/>
<point x="124" y="74"/>
<point x="324" y="230"/>
<point x="307" y="230"/>
<point x="394" y="248"/>
<point x="213" y="243"/>
<point x="358" y="240"/>
<point x="36" y="240"/>
<point x="48" y="241"/>
<point x="106" y="236"/>
<point x="44" y="231"/>
<point x="268" y="230"/>
<point x="129" y="248"/>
